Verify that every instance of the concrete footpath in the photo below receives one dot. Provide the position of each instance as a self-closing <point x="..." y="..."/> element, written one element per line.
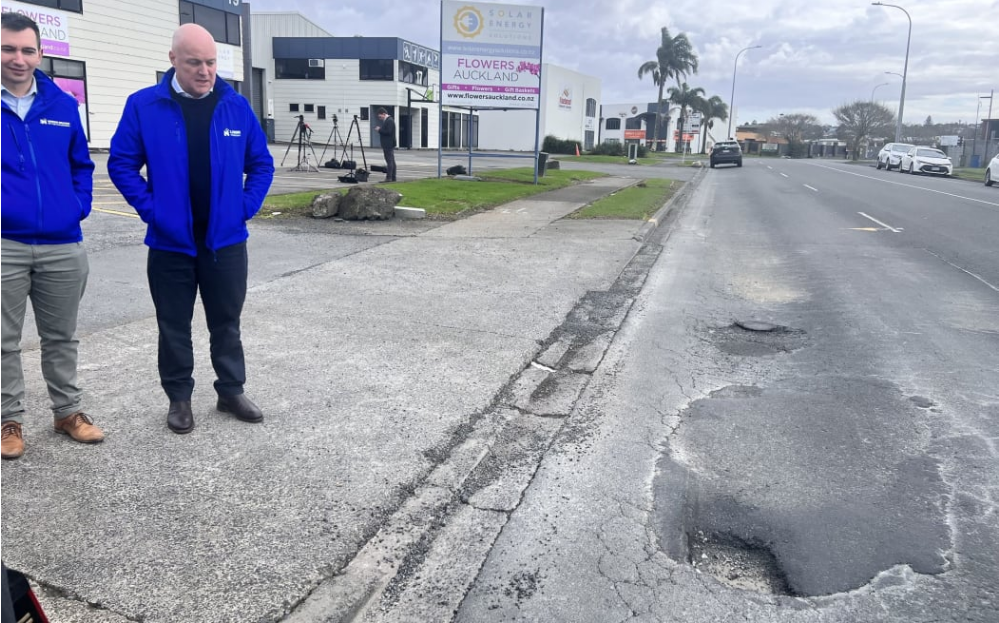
<point x="410" y="385"/>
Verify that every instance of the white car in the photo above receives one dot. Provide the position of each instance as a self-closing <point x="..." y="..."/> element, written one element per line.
<point x="992" y="171"/>
<point x="891" y="154"/>
<point x="926" y="160"/>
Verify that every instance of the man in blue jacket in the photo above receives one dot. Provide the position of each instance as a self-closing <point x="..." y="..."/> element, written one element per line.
<point x="196" y="137"/>
<point x="47" y="190"/>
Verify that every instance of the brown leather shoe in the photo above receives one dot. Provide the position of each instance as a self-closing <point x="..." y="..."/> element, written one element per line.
<point x="80" y="427"/>
<point x="12" y="442"/>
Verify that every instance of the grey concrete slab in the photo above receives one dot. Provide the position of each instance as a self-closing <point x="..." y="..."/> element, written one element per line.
<point x="370" y="356"/>
<point x="528" y="217"/>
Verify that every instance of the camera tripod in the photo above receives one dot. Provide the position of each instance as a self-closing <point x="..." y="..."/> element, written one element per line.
<point x="354" y="125"/>
<point x="335" y="137"/>
<point x="356" y="175"/>
<point x="303" y="135"/>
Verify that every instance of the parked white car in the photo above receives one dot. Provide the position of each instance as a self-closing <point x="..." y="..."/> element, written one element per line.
<point x="891" y="154"/>
<point x="992" y="171"/>
<point x="926" y="160"/>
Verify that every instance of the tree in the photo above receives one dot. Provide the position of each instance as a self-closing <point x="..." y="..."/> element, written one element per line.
<point x="714" y="108"/>
<point x="929" y="121"/>
<point x="685" y="97"/>
<point x="796" y="128"/>
<point x="675" y="58"/>
<point x="861" y="120"/>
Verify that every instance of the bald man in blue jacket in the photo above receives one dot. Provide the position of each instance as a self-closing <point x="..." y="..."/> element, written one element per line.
<point x="197" y="139"/>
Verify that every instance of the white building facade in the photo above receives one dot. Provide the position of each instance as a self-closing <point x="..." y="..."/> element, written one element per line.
<point x="101" y="51"/>
<point x="570" y="104"/>
<point x="633" y="123"/>
<point x="299" y="69"/>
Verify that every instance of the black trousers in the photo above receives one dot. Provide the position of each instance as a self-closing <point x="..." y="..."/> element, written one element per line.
<point x="389" y="152"/>
<point x="174" y="281"/>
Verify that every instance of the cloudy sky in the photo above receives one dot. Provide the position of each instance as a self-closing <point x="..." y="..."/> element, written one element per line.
<point x="815" y="55"/>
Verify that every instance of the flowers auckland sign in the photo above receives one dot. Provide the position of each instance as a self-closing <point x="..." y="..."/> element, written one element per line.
<point x="490" y="55"/>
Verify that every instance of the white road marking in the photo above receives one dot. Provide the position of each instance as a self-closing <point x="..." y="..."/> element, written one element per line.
<point x="879" y="222"/>
<point x="785" y="175"/>
<point x="770" y="167"/>
<point x="978" y="277"/>
<point x="929" y="190"/>
<point x="116" y="212"/>
<point x="811" y="187"/>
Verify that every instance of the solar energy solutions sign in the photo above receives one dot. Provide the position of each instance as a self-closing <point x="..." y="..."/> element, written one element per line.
<point x="491" y="55"/>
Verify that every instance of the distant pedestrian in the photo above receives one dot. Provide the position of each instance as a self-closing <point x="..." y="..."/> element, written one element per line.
<point x="197" y="138"/>
<point x="386" y="129"/>
<point x="47" y="191"/>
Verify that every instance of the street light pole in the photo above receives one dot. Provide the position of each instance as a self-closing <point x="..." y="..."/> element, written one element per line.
<point x="731" y="99"/>
<point x="905" y="70"/>
<point x="883" y="84"/>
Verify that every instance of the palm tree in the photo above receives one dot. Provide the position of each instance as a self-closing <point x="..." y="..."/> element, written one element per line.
<point x="714" y="108"/>
<point x="685" y="97"/>
<point x="675" y="58"/>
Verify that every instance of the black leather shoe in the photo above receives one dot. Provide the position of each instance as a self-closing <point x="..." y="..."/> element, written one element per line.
<point x="180" y="419"/>
<point x="240" y="406"/>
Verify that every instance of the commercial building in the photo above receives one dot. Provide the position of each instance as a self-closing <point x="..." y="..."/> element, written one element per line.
<point x="101" y="51"/>
<point x="570" y="102"/>
<point x="633" y="123"/>
<point x="299" y="69"/>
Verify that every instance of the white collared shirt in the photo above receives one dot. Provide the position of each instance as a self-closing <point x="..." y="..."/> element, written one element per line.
<point x="183" y="93"/>
<point x="20" y="105"/>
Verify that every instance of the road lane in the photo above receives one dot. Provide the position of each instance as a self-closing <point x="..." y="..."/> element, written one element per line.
<point x="850" y="456"/>
<point x="954" y="220"/>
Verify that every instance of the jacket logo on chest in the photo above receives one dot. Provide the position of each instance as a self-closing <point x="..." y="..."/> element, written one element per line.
<point x="232" y="133"/>
<point x="55" y="122"/>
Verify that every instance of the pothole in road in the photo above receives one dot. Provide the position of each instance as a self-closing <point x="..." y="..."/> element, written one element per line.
<point x="757" y="338"/>
<point x="737" y="563"/>
<point x="811" y="486"/>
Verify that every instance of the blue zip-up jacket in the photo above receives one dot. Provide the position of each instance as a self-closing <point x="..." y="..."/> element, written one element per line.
<point x="48" y="176"/>
<point x="151" y="133"/>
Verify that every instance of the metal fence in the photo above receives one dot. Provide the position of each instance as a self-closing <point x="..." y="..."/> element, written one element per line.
<point x="973" y="154"/>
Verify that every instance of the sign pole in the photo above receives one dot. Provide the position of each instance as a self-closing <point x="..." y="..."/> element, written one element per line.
<point x="537" y="111"/>
<point x="440" y="105"/>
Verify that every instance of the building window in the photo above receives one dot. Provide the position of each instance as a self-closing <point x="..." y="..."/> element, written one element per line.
<point x="633" y="123"/>
<point x="65" y="5"/>
<point x="309" y="108"/>
<point x="299" y="69"/>
<point x="376" y="69"/>
<point x="223" y="26"/>
<point x="591" y="107"/>
<point x="413" y="74"/>
<point x="62" y="68"/>
<point x="292" y="107"/>
<point x="364" y="113"/>
<point x="320" y="112"/>
<point x="613" y="124"/>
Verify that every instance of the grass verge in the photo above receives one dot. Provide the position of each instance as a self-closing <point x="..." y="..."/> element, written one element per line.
<point x="640" y="201"/>
<point x="604" y="159"/>
<point x="446" y="197"/>
<point x="965" y="173"/>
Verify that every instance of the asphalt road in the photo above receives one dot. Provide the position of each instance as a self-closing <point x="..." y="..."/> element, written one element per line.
<point x="517" y="417"/>
<point x="839" y="467"/>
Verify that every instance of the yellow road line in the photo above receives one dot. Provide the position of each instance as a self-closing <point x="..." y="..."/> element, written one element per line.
<point x="106" y="211"/>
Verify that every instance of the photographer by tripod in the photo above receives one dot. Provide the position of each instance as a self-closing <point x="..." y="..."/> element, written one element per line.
<point x="387" y="131"/>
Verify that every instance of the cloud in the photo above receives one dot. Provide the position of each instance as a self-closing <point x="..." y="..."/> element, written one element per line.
<point x="815" y="56"/>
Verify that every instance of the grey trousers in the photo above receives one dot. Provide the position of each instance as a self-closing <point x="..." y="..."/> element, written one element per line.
<point x="54" y="276"/>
